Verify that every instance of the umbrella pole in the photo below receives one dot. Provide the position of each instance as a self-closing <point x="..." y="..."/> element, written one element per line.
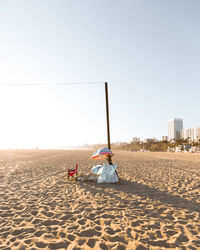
<point x="108" y="126"/>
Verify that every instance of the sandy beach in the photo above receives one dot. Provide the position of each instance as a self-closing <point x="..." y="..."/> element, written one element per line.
<point x="156" y="204"/>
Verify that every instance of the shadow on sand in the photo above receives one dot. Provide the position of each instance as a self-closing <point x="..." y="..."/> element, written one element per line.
<point x="146" y="192"/>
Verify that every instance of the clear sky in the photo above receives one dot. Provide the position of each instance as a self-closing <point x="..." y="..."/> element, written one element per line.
<point x="148" y="51"/>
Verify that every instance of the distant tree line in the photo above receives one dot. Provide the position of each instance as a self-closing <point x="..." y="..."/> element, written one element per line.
<point x="158" y="146"/>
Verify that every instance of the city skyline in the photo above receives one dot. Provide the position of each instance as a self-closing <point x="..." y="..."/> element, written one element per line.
<point x="176" y="131"/>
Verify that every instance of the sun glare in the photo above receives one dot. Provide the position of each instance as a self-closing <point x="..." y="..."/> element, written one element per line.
<point x="44" y="117"/>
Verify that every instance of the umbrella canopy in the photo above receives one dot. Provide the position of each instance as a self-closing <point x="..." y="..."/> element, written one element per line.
<point x="102" y="153"/>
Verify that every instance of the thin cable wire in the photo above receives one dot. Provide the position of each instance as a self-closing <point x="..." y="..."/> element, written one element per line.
<point x="48" y="84"/>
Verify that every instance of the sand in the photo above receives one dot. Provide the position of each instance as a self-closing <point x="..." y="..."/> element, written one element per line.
<point x="156" y="205"/>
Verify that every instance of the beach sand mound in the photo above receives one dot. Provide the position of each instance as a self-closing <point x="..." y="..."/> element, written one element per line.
<point x="155" y="205"/>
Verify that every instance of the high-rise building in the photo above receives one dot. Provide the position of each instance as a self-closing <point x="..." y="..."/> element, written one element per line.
<point x="197" y="134"/>
<point x="182" y="134"/>
<point x="174" y="129"/>
<point x="187" y="133"/>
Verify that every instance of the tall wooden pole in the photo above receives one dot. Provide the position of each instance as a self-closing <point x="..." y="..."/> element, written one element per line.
<point x="107" y="116"/>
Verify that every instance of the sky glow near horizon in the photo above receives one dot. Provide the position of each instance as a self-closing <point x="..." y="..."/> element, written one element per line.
<point x="147" y="51"/>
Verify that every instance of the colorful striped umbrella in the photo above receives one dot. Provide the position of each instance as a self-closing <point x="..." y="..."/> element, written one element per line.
<point x="102" y="153"/>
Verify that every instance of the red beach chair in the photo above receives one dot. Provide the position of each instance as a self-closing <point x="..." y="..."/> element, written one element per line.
<point x="72" y="172"/>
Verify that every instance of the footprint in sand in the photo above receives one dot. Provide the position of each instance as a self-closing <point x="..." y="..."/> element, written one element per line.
<point x="91" y="243"/>
<point x="71" y="237"/>
<point x="39" y="233"/>
<point x="81" y="222"/>
<point x="89" y="233"/>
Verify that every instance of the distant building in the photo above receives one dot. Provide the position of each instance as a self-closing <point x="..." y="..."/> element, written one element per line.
<point x="174" y="129"/>
<point x="182" y="134"/>
<point x="193" y="134"/>
<point x="197" y="134"/>
<point x="136" y="140"/>
<point x="147" y="140"/>
<point x="164" y="138"/>
<point x="187" y="133"/>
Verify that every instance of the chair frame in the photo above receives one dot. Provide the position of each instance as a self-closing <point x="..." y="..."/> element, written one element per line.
<point x="72" y="172"/>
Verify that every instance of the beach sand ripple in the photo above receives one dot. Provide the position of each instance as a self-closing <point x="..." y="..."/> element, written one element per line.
<point x="156" y="204"/>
